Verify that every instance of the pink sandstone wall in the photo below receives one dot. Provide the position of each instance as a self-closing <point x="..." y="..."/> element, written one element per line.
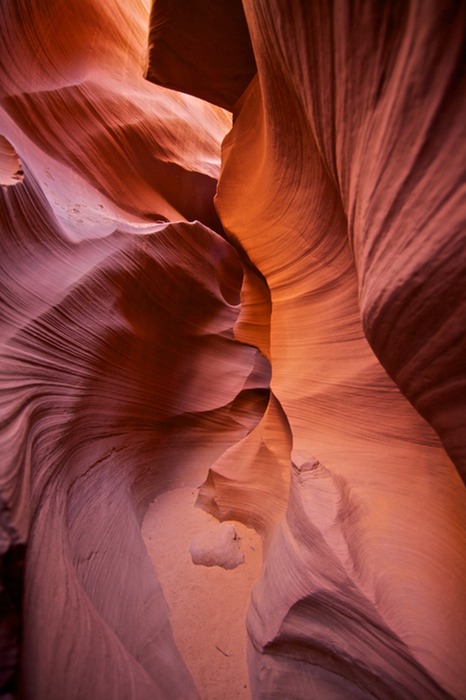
<point x="245" y="273"/>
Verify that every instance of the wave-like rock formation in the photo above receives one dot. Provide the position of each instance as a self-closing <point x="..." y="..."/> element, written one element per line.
<point x="296" y="349"/>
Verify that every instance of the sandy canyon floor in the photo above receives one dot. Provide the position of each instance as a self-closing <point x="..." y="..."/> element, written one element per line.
<point x="207" y="604"/>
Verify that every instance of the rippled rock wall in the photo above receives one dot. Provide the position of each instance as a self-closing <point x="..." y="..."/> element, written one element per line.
<point x="295" y="350"/>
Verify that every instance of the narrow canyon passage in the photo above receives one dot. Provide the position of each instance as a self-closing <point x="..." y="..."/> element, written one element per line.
<point x="207" y="605"/>
<point x="232" y="326"/>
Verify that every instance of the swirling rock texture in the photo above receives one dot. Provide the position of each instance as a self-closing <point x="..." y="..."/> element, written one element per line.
<point x="296" y="351"/>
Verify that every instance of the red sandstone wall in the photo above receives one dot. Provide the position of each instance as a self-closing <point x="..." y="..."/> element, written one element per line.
<point x="298" y="348"/>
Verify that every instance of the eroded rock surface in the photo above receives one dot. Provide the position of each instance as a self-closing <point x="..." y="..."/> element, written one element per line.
<point x="294" y="353"/>
<point x="217" y="546"/>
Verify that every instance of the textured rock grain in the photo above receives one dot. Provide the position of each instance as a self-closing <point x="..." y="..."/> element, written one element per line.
<point x="294" y="354"/>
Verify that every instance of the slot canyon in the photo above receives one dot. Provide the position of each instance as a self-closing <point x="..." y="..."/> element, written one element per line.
<point x="233" y="350"/>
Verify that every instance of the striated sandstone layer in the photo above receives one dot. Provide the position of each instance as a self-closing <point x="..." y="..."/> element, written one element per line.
<point x="294" y="354"/>
<point x="120" y="374"/>
<point x="343" y="181"/>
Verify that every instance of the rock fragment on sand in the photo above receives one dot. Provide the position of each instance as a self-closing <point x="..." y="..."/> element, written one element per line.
<point x="217" y="546"/>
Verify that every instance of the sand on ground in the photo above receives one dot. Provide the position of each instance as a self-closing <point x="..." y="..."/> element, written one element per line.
<point x="208" y="605"/>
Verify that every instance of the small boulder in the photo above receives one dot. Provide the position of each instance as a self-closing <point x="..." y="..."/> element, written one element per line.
<point x="217" y="546"/>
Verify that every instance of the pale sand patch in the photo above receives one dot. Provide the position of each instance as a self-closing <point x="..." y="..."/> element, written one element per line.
<point x="207" y="604"/>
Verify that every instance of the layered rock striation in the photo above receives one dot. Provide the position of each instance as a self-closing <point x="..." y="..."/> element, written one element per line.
<point x="295" y="351"/>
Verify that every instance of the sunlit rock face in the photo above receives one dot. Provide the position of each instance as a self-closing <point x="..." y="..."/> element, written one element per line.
<point x="295" y="352"/>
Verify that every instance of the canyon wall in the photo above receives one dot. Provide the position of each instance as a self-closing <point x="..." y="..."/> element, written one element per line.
<point x="246" y="275"/>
